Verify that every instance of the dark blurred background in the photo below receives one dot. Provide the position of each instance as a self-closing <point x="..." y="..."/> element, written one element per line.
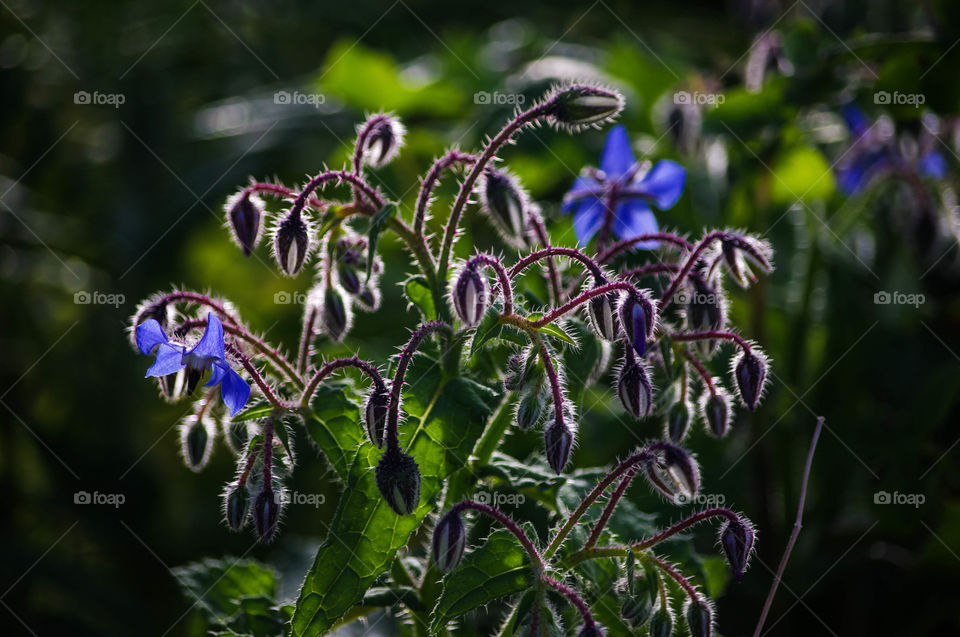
<point x="125" y="125"/>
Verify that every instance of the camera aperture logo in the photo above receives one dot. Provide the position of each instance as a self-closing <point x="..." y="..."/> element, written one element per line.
<point x="496" y="98"/>
<point x="884" y="297"/>
<point x="296" y="98"/>
<point x="95" y="297"/>
<point x="289" y="298"/>
<point x="896" y="98"/>
<point x="96" y="98"/>
<point x="115" y="500"/>
<point x="500" y="500"/>
<point x="915" y="500"/>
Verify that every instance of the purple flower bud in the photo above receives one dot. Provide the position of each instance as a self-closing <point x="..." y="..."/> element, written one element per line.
<point x="349" y="279"/>
<point x="737" y="540"/>
<point x="398" y="478"/>
<point x="375" y="415"/>
<point x="577" y="106"/>
<point x="449" y="541"/>
<point x="291" y="244"/>
<point x="336" y="315"/>
<point x="699" y="618"/>
<point x="637" y="316"/>
<point x="716" y="413"/>
<point x="675" y="474"/>
<point x="634" y="389"/>
<point x="196" y="441"/>
<point x="593" y="629"/>
<point x="470" y="296"/>
<point x="750" y="372"/>
<point x="244" y="211"/>
<point x="513" y="376"/>
<point x="369" y="298"/>
<point x="505" y="203"/>
<point x="603" y="315"/>
<point x="661" y="624"/>
<point x="678" y="421"/>
<point x="558" y="443"/>
<point x="236" y="505"/>
<point x="383" y="142"/>
<point x="266" y="514"/>
<point x="740" y="253"/>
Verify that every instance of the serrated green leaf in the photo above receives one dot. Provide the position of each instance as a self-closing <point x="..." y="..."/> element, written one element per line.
<point x="497" y="569"/>
<point x="418" y="292"/>
<point x="377" y="222"/>
<point x="260" y="410"/>
<point x="335" y="424"/>
<point x="445" y="416"/>
<point x="491" y="328"/>
<point x="553" y="330"/>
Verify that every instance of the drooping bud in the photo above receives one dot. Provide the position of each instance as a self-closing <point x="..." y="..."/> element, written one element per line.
<point x="291" y="244"/>
<point x="699" y="618"/>
<point x="449" y="541"/>
<point x="513" y="375"/>
<point x="530" y="408"/>
<point x="577" y="106"/>
<point x="398" y="478"/>
<point x="675" y="474"/>
<point x="196" y="440"/>
<point x="740" y="252"/>
<point x="172" y="386"/>
<point x="266" y="513"/>
<point x="505" y="202"/>
<point x="634" y="389"/>
<point x="736" y="539"/>
<point x="637" y="610"/>
<point x="661" y="624"/>
<point x="244" y="211"/>
<point x="716" y="413"/>
<point x="349" y="279"/>
<point x="603" y="315"/>
<point x="470" y="296"/>
<point x="592" y="629"/>
<point x="383" y="141"/>
<point x="375" y="415"/>
<point x="236" y="505"/>
<point x="637" y="316"/>
<point x="558" y="443"/>
<point x="750" y="372"/>
<point x="336" y="313"/>
<point x="678" y="421"/>
<point x="369" y="298"/>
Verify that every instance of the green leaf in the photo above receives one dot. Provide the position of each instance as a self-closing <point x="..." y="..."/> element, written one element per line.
<point x="553" y="330"/>
<point x="260" y="410"/>
<point x="491" y="328"/>
<point x="418" y="292"/>
<point x="335" y="424"/>
<point x="445" y="416"/>
<point x="498" y="568"/>
<point x="377" y="222"/>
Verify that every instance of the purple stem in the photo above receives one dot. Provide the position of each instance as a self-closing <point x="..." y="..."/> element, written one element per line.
<point x="675" y="574"/>
<point x="282" y="191"/>
<point x="711" y="335"/>
<point x="508" y="523"/>
<point x="696" y="518"/>
<point x="626" y="244"/>
<point x="333" y="366"/>
<point x="608" y="510"/>
<point x="494" y="263"/>
<point x="555" y="386"/>
<point x="692" y="259"/>
<point x="268" y="454"/>
<point x="704" y="374"/>
<point x="540" y="230"/>
<point x="430" y="182"/>
<point x="583" y="298"/>
<point x="580" y="605"/>
<point x="339" y="176"/>
<point x="393" y="421"/>
<point x="572" y="253"/>
<point x="309" y="320"/>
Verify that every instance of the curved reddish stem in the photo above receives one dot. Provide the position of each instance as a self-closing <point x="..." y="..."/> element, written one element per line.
<point x="583" y="298"/>
<point x="711" y="335"/>
<point x="571" y="253"/>
<point x="393" y="420"/>
<point x="578" y="603"/>
<point x="430" y="181"/>
<point x="282" y="191"/>
<point x="675" y="574"/>
<point x="333" y="366"/>
<point x="508" y="523"/>
<point x="540" y="230"/>
<point x="704" y="374"/>
<point x="626" y="244"/>
<point x="692" y="259"/>
<point x="494" y="263"/>
<point x="339" y="176"/>
<point x="696" y="518"/>
<point x="555" y="386"/>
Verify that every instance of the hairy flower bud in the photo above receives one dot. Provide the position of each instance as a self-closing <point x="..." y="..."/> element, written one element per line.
<point x="740" y="252"/>
<point x="349" y="279"/>
<point x="661" y="624"/>
<point x="244" y="211"/>
<point x="637" y="316"/>
<point x="291" y="244"/>
<point x="579" y="105"/>
<point x="513" y="376"/>
<point x="699" y="618"/>
<point x="530" y="408"/>
<point x="336" y="313"/>
<point x="675" y="474"/>
<point x="196" y="440"/>
<point x="398" y="478"/>
<point x="449" y="541"/>
<point x="750" y="372"/>
<point x="592" y="629"/>
<point x="678" y="421"/>
<point x="634" y="389"/>
<point x="375" y="415"/>
<point x="736" y="539"/>
<point x="505" y="202"/>
<point x="716" y="413"/>
<point x="470" y="296"/>
<point x="558" y="443"/>
<point x="236" y="505"/>
<point x="603" y="315"/>
<point x="383" y="141"/>
<point x="266" y="514"/>
<point x="369" y="298"/>
<point x="637" y="610"/>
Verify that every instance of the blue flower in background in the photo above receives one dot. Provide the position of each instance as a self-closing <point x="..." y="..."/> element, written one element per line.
<point x="621" y="180"/>
<point x="208" y="353"/>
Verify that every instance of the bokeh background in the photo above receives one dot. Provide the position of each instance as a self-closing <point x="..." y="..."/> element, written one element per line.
<point x="121" y="195"/>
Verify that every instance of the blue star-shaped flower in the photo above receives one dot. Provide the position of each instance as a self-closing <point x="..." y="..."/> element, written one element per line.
<point x="208" y="353"/>
<point x="621" y="180"/>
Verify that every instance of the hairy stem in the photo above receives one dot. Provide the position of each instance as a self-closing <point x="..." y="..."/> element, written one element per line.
<point x="494" y="263"/>
<point x="333" y="366"/>
<point x="612" y="503"/>
<point x="624" y="245"/>
<point x="430" y="181"/>
<point x="548" y="252"/>
<point x="701" y="370"/>
<point x="553" y="275"/>
<point x="393" y="419"/>
<point x="309" y="321"/>
<point x="578" y="603"/>
<point x="580" y="300"/>
<point x="509" y="524"/>
<point x="711" y="335"/>
<point x="691" y="261"/>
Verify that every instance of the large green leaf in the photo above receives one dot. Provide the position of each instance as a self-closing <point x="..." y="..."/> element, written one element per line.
<point x="334" y="423"/>
<point x="497" y="569"/>
<point x="445" y="416"/>
<point x="418" y="292"/>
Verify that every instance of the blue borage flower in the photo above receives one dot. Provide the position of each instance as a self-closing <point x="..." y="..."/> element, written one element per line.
<point x="208" y="354"/>
<point x="623" y="180"/>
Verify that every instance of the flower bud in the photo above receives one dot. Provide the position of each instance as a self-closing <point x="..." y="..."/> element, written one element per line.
<point x="603" y="315"/>
<point x="470" y="296"/>
<point x="375" y="415"/>
<point x="514" y="374"/>
<point x="678" y="421"/>
<point x="349" y="279"/>
<point x="291" y="244"/>
<point x="740" y="253"/>
<point x="530" y="408"/>
<point x="449" y="541"/>
<point x="383" y="141"/>
<point x="369" y="298"/>
<point x="336" y="315"/>
<point x="196" y="441"/>
<point x="675" y="474"/>
<point x="706" y="312"/>
<point x="716" y="413"/>
<point x="172" y="386"/>
<point x="699" y="618"/>
<point x="236" y="506"/>
<point x="634" y="389"/>
<point x="505" y="203"/>
<point x="637" y="316"/>
<point x="398" y="478"/>
<point x="244" y="211"/>
<point x="579" y="105"/>
<point x="636" y="610"/>
<point x="661" y="624"/>
<point x="736" y="539"/>
<point x="593" y="629"/>
<point x="266" y="514"/>
<point x="750" y="372"/>
<point x="558" y="442"/>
